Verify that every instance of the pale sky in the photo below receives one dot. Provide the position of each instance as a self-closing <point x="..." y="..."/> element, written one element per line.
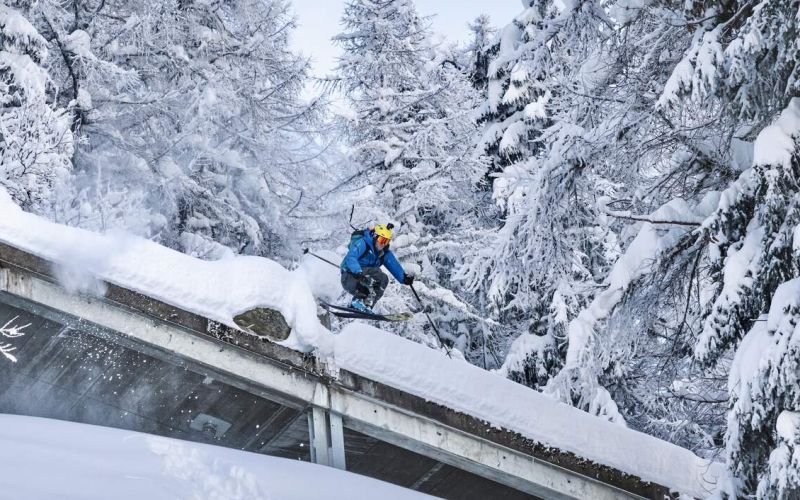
<point x="318" y="22"/>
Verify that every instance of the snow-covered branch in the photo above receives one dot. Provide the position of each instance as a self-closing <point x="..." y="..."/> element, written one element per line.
<point x="644" y="218"/>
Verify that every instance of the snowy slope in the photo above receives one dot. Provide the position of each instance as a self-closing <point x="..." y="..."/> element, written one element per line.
<point x="47" y="459"/>
<point x="223" y="288"/>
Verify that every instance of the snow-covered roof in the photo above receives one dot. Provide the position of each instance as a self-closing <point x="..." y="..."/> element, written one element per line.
<point x="221" y="289"/>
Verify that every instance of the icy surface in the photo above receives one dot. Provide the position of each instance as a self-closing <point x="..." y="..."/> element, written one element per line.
<point x="222" y="288"/>
<point x="47" y="459"/>
<point x="323" y="278"/>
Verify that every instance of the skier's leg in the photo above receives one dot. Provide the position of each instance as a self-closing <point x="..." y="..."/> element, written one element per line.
<point x="352" y="286"/>
<point x="358" y="290"/>
<point x="379" y="283"/>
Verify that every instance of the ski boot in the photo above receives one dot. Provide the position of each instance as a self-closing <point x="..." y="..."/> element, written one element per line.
<point x="359" y="306"/>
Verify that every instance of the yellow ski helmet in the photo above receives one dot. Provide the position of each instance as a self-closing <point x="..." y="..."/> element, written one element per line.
<point x="383" y="234"/>
<point x="384" y="230"/>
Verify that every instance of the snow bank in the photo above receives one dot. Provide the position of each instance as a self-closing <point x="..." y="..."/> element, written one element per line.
<point x="323" y="278"/>
<point x="429" y="374"/>
<point x="218" y="290"/>
<point x="45" y="459"/>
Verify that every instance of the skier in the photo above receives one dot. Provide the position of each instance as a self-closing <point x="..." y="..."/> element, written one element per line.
<point x="361" y="274"/>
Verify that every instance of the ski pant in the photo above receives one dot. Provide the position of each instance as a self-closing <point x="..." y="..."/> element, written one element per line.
<point x="371" y="290"/>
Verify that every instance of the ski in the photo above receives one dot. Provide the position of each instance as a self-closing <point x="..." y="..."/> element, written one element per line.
<point x="372" y="317"/>
<point x="350" y="313"/>
<point x="328" y="305"/>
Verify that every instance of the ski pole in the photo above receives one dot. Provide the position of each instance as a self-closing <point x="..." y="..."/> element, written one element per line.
<point x="305" y="251"/>
<point x="366" y="280"/>
<point x="350" y="221"/>
<point x="436" y="330"/>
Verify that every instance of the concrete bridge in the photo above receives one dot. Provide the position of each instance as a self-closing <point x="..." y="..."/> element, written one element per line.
<point x="126" y="360"/>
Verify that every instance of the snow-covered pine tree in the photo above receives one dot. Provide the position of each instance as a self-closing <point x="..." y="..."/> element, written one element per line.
<point x="683" y="147"/>
<point x="198" y="105"/>
<point x="509" y="92"/>
<point x="411" y="134"/>
<point x="753" y="74"/>
<point x="36" y="143"/>
<point x="406" y="123"/>
<point x="762" y="436"/>
<point x="543" y="264"/>
<point x="482" y="47"/>
<point x="664" y="166"/>
<point x="755" y="230"/>
<point x="783" y="477"/>
<point x="732" y="74"/>
<point x="381" y="73"/>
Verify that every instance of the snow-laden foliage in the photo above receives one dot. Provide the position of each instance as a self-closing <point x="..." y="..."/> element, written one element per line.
<point x="762" y="435"/>
<point x="783" y="478"/>
<point x="410" y="129"/>
<point x="408" y="125"/>
<point x="193" y="130"/>
<point x="742" y="51"/>
<point x="545" y="261"/>
<point x="599" y="199"/>
<point x="35" y="139"/>
<point x="663" y="347"/>
<point x="479" y="52"/>
<point x="755" y="236"/>
<point x="644" y="226"/>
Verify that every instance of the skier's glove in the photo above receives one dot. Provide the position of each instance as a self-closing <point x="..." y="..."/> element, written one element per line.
<point x="364" y="279"/>
<point x="408" y="279"/>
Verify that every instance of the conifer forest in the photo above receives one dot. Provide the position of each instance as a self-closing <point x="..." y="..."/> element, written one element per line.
<point x="599" y="199"/>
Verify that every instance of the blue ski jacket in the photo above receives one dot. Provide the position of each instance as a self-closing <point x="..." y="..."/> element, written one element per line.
<point x="362" y="253"/>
